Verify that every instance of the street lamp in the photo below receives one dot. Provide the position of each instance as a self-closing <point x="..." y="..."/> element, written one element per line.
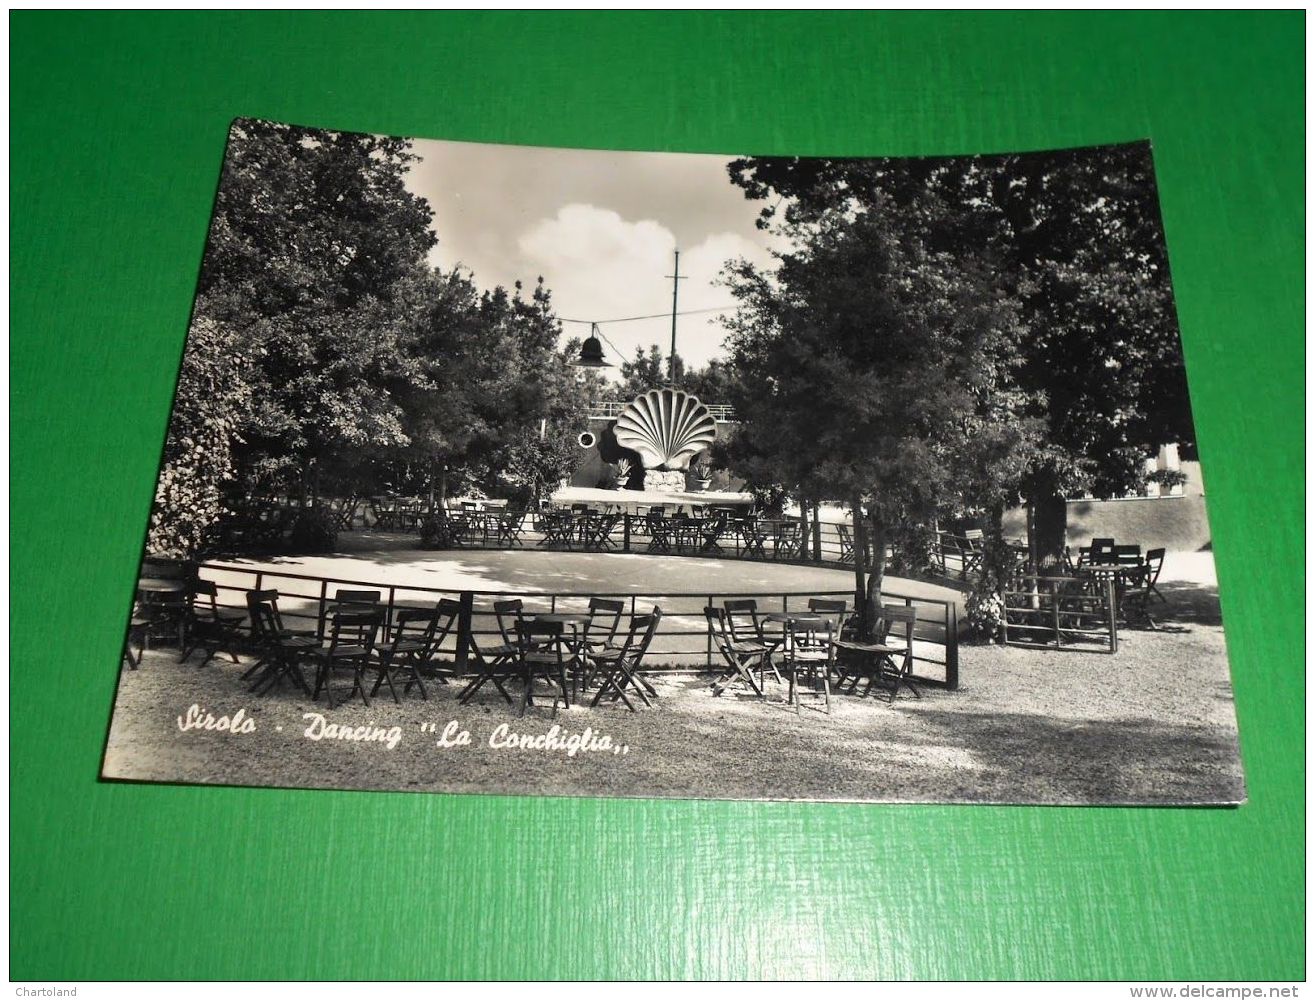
<point x="591" y="351"/>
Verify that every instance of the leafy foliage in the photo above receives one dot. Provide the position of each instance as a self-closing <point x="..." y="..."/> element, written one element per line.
<point x="861" y="364"/>
<point x="213" y="396"/>
<point x="326" y="355"/>
<point x="1076" y="240"/>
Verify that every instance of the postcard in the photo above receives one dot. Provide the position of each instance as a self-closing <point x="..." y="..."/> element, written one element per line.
<point x="499" y="469"/>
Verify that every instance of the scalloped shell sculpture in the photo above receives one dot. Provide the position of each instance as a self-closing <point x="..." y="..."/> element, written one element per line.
<point x="667" y="427"/>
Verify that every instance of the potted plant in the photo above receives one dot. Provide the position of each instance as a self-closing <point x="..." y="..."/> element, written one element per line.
<point x="701" y="472"/>
<point x="624" y="469"/>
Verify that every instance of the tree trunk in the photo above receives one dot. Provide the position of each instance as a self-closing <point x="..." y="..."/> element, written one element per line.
<point x="872" y="611"/>
<point x="860" y="564"/>
<point x="996" y="558"/>
<point x="1048" y="530"/>
<point x="442" y="487"/>
<point x="817" y="531"/>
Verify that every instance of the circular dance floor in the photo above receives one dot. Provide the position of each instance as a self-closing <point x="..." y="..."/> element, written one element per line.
<point x="394" y="560"/>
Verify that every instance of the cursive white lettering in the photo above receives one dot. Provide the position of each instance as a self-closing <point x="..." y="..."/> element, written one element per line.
<point x="197" y="718"/>
<point x="321" y="729"/>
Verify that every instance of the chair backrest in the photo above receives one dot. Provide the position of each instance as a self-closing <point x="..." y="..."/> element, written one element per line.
<point x="832" y="609"/>
<point x="896" y="617"/>
<point x="535" y="635"/>
<point x="742" y="619"/>
<point x="266" y="623"/>
<point x="510" y="612"/>
<point x="1155" y="562"/>
<point x="347" y="597"/>
<point x="604" y="619"/>
<point x="1127" y="555"/>
<point x="203" y="599"/>
<point x="648" y="626"/>
<point x="720" y="632"/>
<point x="355" y="627"/>
<point x="809" y="634"/>
<point x="1102" y="551"/>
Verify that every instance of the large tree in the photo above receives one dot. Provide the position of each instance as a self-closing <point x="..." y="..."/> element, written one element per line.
<point x="492" y="399"/>
<point x="1077" y="239"/>
<point x="313" y="244"/>
<point x="859" y="368"/>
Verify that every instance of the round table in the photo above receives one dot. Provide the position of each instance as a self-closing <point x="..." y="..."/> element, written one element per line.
<point x="161" y="586"/>
<point x="159" y="597"/>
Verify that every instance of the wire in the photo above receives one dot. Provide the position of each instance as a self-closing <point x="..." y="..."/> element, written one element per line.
<point x="651" y="316"/>
<point x="610" y="344"/>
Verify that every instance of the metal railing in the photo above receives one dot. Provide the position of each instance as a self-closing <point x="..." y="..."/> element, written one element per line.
<point x="785" y="540"/>
<point x="611" y="409"/>
<point x="682" y="643"/>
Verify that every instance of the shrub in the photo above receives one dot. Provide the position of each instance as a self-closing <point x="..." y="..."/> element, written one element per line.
<point x="314" y="530"/>
<point x="912" y="550"/>
<point x="437" y="532"/>
<point x="986" y="613"/>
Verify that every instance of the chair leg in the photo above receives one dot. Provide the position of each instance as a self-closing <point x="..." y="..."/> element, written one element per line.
<point x="415" y="666"/>
<point x="525" y="695"/>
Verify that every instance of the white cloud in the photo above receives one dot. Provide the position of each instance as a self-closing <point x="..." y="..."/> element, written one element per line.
<point x="601" y="266"/>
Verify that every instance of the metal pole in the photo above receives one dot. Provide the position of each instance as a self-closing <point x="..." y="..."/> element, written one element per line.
<point x="675" y="277"/>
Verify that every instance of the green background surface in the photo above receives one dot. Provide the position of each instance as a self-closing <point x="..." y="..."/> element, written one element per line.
<point x="118" y="126"/>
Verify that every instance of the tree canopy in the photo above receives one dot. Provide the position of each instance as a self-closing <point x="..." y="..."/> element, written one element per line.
<point x="867" y="367"/>
<point x="1075" y="238"/>
<point x="324" y="350"/>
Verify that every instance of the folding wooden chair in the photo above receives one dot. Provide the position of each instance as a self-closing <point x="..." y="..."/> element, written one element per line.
<point x="620" y="665"/>
<point x="600" y="528"/>
<point x="810" y="656"/>
<point x="740" y="658"/>
<point x="417" y="634"/>
<point x="660" y="530"/>
<point x="510" y="527"/>
<point x="137" y="627"/>
<point x="747" y="628"/>
<point x="351" y="645"/>
<point x="599" y="633"/>
<point x="497" y="661"/>
<point x="542" y="653"/>
<point x="788" y="541"/>
<point x="846" y="544"/>
<point x="210" y="627"/>
<point x="895" y="662"/>
<point x="281" y="650"/>
<point x="1154" y="564"/>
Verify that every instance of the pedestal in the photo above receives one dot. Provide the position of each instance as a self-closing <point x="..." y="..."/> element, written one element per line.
<point x="664" y="479"/>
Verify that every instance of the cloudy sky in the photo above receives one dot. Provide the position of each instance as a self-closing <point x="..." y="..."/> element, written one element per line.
<point x="600" y="227"/>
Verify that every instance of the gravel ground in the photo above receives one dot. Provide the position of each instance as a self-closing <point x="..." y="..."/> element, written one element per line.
<point x="1152" y="724"/>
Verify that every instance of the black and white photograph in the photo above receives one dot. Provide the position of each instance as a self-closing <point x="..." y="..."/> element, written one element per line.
<point x="535" y="471"/>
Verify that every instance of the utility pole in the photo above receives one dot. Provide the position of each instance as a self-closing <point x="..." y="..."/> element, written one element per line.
<point x="675" y="277"/>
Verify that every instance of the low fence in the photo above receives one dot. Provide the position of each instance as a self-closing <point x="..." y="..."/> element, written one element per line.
<point x="956" y="559"/>
<point x="1061" y="612"/>
<point x="682" y="643"/>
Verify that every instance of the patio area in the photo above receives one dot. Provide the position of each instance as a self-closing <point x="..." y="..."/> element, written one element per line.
<point x="1154" y="724"/>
